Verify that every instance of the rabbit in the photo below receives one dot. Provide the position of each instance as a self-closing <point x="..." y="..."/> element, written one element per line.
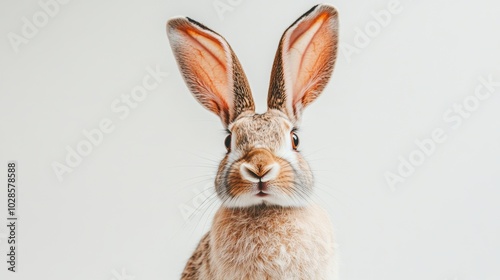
<point x="267" y="227"/>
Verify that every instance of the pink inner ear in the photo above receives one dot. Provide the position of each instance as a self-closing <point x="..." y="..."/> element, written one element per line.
<point x="208" y="47"/>
<point x="205" y="62"/>
<point x="308" y="51"/>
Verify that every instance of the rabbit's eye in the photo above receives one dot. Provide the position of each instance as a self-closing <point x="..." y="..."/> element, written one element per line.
<point x="227" y="142"/>
<point x="295" y="140"/>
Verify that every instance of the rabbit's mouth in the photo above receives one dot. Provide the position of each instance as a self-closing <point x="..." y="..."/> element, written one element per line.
<point x="262" y="188"/>
<point x="259" y="176"/>
<point x="262" y="194"/>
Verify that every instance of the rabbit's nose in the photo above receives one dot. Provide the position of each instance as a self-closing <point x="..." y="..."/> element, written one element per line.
<point x="255" y="174"/>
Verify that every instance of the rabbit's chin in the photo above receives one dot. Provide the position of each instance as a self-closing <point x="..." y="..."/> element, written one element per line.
<point x="265" y="199"/>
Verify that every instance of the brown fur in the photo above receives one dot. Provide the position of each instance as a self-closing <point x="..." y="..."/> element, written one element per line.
<point x="265" y="243"/>
<point x="306" y="85"/>
<point x="270" y="130"/>
<point x="210" y="68"/>
<point x="267" y="228"/>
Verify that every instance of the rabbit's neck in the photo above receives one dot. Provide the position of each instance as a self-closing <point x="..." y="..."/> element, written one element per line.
<point x="273" y="240"/>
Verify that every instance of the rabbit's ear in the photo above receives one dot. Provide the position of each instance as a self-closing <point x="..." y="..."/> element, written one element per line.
<point x="210" y="69"/>
<point x="304" y="61"/>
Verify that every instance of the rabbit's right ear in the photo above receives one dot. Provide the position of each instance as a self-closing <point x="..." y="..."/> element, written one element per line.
<point x="304" y="61"/>
<point x="210" y="69"/>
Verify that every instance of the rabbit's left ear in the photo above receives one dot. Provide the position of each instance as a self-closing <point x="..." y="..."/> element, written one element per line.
<point x="304" y="61"/>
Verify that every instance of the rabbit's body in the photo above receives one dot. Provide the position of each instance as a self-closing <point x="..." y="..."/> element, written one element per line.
<point x="265" y="242"/>
<point x="267" y="227"/>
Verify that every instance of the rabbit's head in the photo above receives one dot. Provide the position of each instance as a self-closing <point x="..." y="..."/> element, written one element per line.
<point x="262" y="164"/>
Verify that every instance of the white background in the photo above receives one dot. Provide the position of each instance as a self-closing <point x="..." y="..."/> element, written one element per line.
<point x="118" y="212"/>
